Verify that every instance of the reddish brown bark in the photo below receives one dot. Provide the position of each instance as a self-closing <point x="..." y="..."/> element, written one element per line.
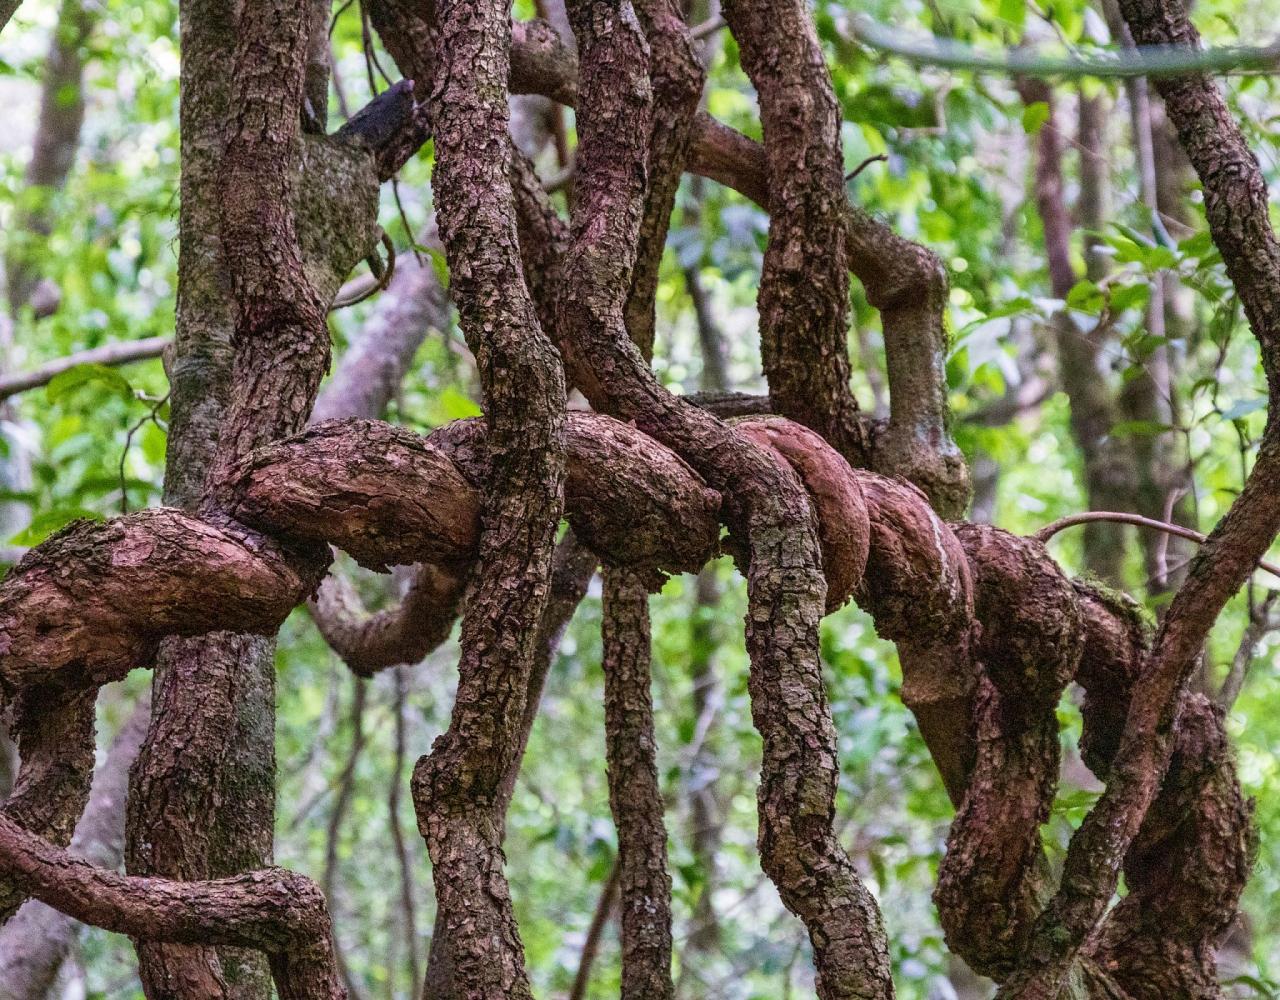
<point x="34" y="944"/>
<point x="765" y="507"/>
<point x="677" y="78"/>
<point x="1239" y="221"/>
<point x="804" y="284"/>
<point x="903" y="280"/>
<point x="456" y="787"/>
<point x="271" y="910"/>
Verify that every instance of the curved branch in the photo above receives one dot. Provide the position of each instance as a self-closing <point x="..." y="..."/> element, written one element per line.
<point x="804" y="284"/>
<point x="677" y="77"/>
<point x="765" y="507"/>
<point x="1149" y="60"/>
<point x="1237" y="209"/>
<point x="403" y="633"/>
<point x="118" y="353"/>
<point x="994" y="878"/>
<point x="273" y="910"/>
<point x="905" y="281"/>
<point x="35" y="943"/>
<point x="1120" y="517"/>
<point x="388" y="496"/>
<point x="54" y="731"/>
<point x="94" y="600"/>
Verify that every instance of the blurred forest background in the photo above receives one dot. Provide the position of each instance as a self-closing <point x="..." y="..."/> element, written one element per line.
<point x="1098" y="359"/>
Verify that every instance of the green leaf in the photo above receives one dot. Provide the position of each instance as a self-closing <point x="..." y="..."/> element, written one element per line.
<point x="1138" y="428"/>
<point x="1085" y="296"/>
<point x="1130" y="297"/>
<point x="1014" y="12"/>
<point x="1034" y="116"/>
<point x="454" y="405"/>
<point x="73" y="378"/>
<point x="1244" y="408"/>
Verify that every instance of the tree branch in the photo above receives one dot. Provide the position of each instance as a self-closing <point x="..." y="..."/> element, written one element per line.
<point x="272" y="910"/>
<point x="635" y="798"/>
<point x="120" y="352"/>
<point x="1088" y="517"/>
<point x="1153" y="60"/>
<point x="1239" y="221"/>
<point x="455" y="787"/>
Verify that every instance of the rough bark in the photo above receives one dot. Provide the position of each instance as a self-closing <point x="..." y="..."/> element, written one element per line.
<point x="989" y="631"/>
<point x="456" y="786"/>
<point x="364" y="382"/>
<point x="170" y="818"/>
<point x="272" y="910"/>
<point x="677" y="79"/>
<point x="1239" y="221"/>
<point x="403" y="633"/>
<point x="34" y="944"/>
<point x="804" y="284"/>
<point x="251" y="347"/>
<point x="992" y="880"/>
<point x="388" y="496"/>
<point x="903" y="280"/>
<point x="768" y="510"/>
<point x="54" y="733"/>
<point x="635" y="798"/>
<point x="572" y="569"/>
<point x="919" y="592"/>
<point x="93" y="601"/>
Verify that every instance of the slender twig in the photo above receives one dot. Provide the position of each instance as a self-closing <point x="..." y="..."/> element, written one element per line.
<point x="342" y="9"/>
<point x="707" y="28"/>
<point x="1262" y="621"/>
<point x="128" y="443"/>
<point x="382" y="281"/>
<point x="1049" y="530"/>
<point x="878" y="158"/>
<point x="1146" y="60"/>
<point x="599" y="920"/>
<point x="126" y="352"/>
